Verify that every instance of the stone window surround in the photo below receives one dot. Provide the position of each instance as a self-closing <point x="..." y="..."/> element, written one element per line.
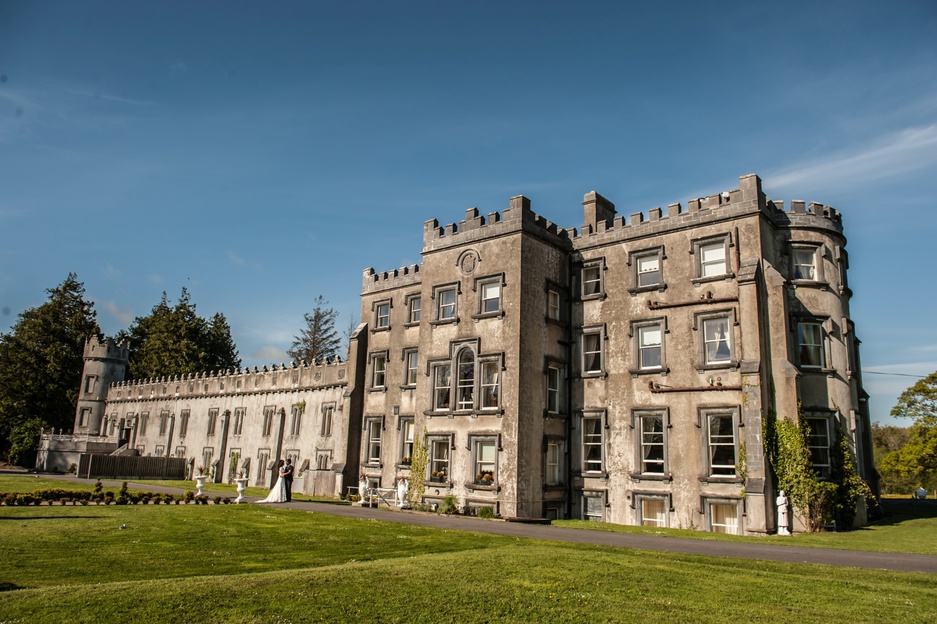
<point x="639" y="496"/>
<point x="601" y="331"/>
<point x="474" y="439"/>
<point x="373" y="423"/>
<point x="592" y="263"/>
<point x="706" y="503"/>
<point x="819" y="252"/>
<point x="635" y="334"/>
<point x="560" y="441"/>
<point x="327" y="413"/>
<point x="408" y="301"/>
<point x="591" y="493"/>
<point x="826" y="329"/>
<point x="455" y="349"/>
<point x="376" y="310"/>
<point x="562" y="294"/>
<point x="702" y="422"/>
<point x="402" y="428"/>
<point x="456" y="288"/>
<point x="478" y="287"/>
<point x="405" y="358"/>
<point x="695" y="247"/>
<point x="441" y="437"/>
<point x="633" y="262"/>
<point x="828" y="417"/>
<point x="561" y="390"/>
<point x="602" y="416"/>
<point x="240" y="415"/>
<point x="373" y="358"/>
<point x="638" y="427"/>
<point x="698" y="324"/>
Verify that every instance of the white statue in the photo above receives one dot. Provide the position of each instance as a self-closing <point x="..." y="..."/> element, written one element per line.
<point x="403" y="489"/>
<point x="363" y="488"/>
<point x="783" y="522"/>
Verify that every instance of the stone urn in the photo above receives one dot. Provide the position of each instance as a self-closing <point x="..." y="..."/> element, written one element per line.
<point x="241" y="486"/>
<point x="200" y="483"/>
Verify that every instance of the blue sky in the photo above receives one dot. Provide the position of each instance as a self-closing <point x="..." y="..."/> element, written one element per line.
<point x="260" y="154"/>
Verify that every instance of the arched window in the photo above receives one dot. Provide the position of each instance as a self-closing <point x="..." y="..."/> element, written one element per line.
<point x="466" y="390"/>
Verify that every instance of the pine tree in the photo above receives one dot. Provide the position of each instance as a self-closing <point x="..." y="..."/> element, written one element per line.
<point x="318" y="339"/>
<point x="41" y="361"/>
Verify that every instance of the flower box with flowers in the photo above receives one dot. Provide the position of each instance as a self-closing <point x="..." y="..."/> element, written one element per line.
<point x="438" y="476"/>
<point x="486" y="477"/>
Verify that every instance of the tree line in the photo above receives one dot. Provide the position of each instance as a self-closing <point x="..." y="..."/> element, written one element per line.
<point x="41" y="357"/>
<point x="906" y="457"/>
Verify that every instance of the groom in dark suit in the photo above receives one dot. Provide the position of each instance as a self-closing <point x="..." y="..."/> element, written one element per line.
<point x="288" y="478"/>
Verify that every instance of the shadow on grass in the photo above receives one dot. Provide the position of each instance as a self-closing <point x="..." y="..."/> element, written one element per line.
<point x="897" y="511"/>
<point x="4" y="586"/>
<point x="51" y="517"/>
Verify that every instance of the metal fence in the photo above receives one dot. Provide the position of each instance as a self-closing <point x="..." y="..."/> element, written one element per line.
<point x="91" y="466"/>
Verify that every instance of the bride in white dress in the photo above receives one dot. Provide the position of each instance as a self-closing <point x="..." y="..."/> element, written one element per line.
<point x="278" y="493"/>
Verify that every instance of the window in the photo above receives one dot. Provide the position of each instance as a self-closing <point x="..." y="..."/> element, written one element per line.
<point x="83" y="416"/>
<point x="485" y="452"/>
<point x="212" y="420"/>
<point x="239" y="414"/>
<point x="724" y="517"/>
<point x="554" y="389"/>
<point x="652" y="511"/>
<point x="490" y="297"/>
<point x="406" y="440"/>
<point x="268" y="420"/>
<point x="207" y="454"/>
<point x="382" y="315"/>
<point x="650" y="347"/>
<point x="89" y="383"/>
<point x="322" y="460"/>
<point x="411" y="358"/>
<point x="712" y="259"/>
<point x="180" y="451"/>
<point x="553" y="305"/>
<point x="490" y="385"/>
<point x="296" y="420"/>
<point x="446" y="304"/>
<point x="593" y="506"/>
<point x="717" y="341"/>
<point x="263" y="466"/>
<point x="810" y="345"/>
<point x="466" y="380"/>
<point x="183" y="423"/>
<point x="378" y="369"/>
<point x="554" y="472"/>
<point x="163" y="422"/>
<point x="592" y="444"/>
<point x="818" y="441"/>
<point x="439" y="460"/>
<point x="646" y="269"/>
<point x="374" y="441"/>
<point x="592" y="351"/>
<point x="441" y="391"/>
<point x="144" y="417"/>
<point x="592" y="279"/>
<point x="160" y="450"/>
<point x="326" y="428"/>
<point x="722" y="443"/>
<point x="413" y="310"/>
<point x="653" y="448"/>
<point x="805" y="263"/>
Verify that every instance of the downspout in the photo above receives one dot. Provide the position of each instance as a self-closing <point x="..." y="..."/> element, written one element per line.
<point x="569" y="384"/>
<point x="276" y="457"/>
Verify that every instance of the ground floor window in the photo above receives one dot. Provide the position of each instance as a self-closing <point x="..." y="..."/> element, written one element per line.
<point x="724" y="517"/>
<point x="593" y="506"/>
<point x="652" y="511"/>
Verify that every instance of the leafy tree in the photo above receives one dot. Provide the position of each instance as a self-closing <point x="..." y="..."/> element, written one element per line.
<point x="175" y="340"/>
<point x="41" y="361"/>
<point x="886" y="440"/>
<point x="919" y="402"/>
<point x="318" y="339"/>
<point x="915" y="464"/>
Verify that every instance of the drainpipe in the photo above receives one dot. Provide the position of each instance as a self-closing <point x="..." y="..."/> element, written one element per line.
<point x="279" y="450"/>
<point x="222" y="459"/>
<point x="569" y="384"/>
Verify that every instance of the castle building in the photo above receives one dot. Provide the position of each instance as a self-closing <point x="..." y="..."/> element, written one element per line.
<point x="621" y="372"/>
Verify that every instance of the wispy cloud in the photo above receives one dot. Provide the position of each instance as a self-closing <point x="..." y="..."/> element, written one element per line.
<point x="910" y="150"/>
<point x="111" y="272"/>
<point x="155" y="278"/>
<point x="121" y="314"/>
<point x="270" y="355"/>
<point x="238" y="260"/>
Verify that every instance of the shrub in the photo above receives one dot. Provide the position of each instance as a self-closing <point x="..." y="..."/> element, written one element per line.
<point x="217" y="500"/>
<point x="449" y="505"/>
<point x="98" y="487"/>
<point x="486" y="512"/>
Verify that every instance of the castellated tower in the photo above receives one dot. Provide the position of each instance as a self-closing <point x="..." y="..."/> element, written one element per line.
<point x="105" y="363"/>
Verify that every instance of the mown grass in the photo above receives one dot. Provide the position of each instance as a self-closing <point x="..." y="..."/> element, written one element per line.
<point x="908" y="527"/>
<point x="258" y="564"/>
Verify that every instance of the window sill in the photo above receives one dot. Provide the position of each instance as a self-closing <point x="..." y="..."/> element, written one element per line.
<point x="714" y="278"/>
<point x="721" y="366"/>
<point x="402" y="466"/>
<point x="594" y="297"/>
<point x="635" y="372"/>
<point x="553" y="321"/>
<point x="487" y="315"/>
<point x="413" y="324"/>
<point x="408" y="387"/>
<point x="646" y="289"/>
<point x="375" y="330"/>
<point x="484" y="488"/>
<point x="549" y="414"/>
<point x="452" y="321"/>
<point x="378" y="389"/>
<point x="593" y="375"/>
<point x="817" y="370"/>
<point x="641" y="476"/>
<point x="471" y="413"/>
<point x="801" y="283"/>
<point x="439" y="484"/>
<point x="720" y="479"/>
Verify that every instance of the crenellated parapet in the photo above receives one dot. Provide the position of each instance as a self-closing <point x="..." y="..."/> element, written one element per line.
<point x="601" y="225"/>
<point x="100" y="348"/>
<point x="476" y="227"/>
<point x="327" y="373"/>
<point x="373" y="281"/>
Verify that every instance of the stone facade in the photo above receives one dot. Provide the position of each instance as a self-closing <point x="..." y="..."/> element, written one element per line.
<point x="620" y="372"/>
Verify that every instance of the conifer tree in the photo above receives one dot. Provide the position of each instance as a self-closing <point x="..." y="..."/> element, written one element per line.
<point x="318" y="339"/>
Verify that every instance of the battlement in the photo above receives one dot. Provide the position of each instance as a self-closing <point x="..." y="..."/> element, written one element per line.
<point x="100" y="348"/>
<point x="277" y="378"/>
<point x="518" y="216"/>
<point x="373" y="281"/>
<point x="600" y="219"/>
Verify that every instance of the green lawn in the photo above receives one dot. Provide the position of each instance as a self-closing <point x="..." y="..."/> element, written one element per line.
<point x="250" y="563"/>
<point x="908" y="527"/>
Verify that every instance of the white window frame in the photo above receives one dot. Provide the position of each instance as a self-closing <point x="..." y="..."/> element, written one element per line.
<point x="554" y="304"/>
<point x="702" y="248"/>
<point x="489" y="390"/>
<point x="641" y="331"/>
<point x="701" y="324"/>
<point x="554" y="462"/>
<point x="490" y="303"/>
<point x="593" y="345"/>
<point x="807" y="344"/>
<point x="482" y="465"/>
<point x="820" y="443"/>
<point x="407" y="439"/>
<point x="592" y="279"/>
<point x="592" y="436"/>
<point x="411" y="361"/>
<point x="447" y="311"/>
<point x="645" y="441"/>
<point x="554" y="381"/>
<point x="734" y="528"/>
<point x="465" y="364"/>
<point x="661" y="520"/>
<point x="441" y="375"/>
<point x="414" y="305"/>
<point x="379" y="370"/>
<point x="636" y="259"/>
<point x="804" y="254"/>
<point x="715" y="443"/>
<point x="382" y="314"/>
<point x="440" y="458"/>
<point x="373" y="440"/>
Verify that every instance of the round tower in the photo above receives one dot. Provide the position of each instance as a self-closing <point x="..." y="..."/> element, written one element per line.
<point x="105" y="363"/>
